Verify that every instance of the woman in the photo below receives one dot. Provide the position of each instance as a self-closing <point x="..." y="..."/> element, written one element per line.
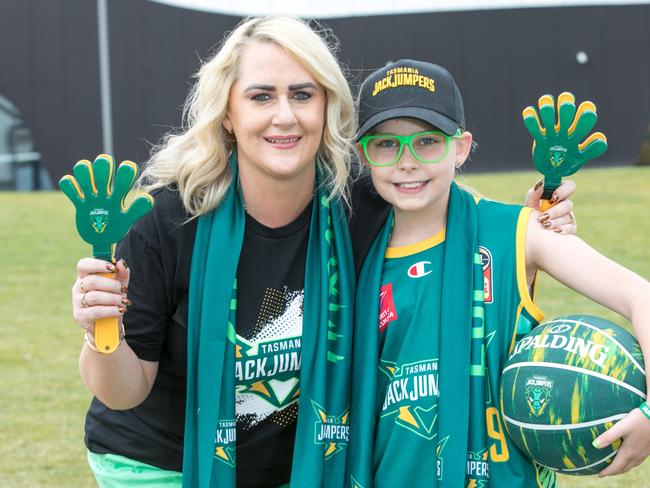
<point x="254" y="187"/>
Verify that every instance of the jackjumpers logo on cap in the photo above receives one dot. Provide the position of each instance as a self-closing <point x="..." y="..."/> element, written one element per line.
<point x="404" y="76"/>
<point x="413" y="89"/>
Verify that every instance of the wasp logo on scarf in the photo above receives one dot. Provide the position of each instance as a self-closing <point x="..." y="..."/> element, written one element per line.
<point x="478" y="469"/>
<point x="332" y="431"/>
<point x="225" y="441"/>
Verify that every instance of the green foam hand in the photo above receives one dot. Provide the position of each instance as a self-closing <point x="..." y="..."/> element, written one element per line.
<point x="558" y="146"/>
<point x="98" y="193"/>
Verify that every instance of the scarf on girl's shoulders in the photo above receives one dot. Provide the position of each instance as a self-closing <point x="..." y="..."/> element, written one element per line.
<point x="461" y="343"/>
<point x="323" y="407"/>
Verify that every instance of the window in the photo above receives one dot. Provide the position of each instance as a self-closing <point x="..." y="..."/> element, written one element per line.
<point x="20" y="167"/>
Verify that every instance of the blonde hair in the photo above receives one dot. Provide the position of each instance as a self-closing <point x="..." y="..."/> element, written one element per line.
<point x="196" y="159"/>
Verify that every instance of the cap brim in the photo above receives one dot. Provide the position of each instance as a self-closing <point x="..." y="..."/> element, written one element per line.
<point x="437" y="120"/>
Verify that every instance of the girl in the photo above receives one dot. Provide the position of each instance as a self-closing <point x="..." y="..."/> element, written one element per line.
<point x="453" y="274"/>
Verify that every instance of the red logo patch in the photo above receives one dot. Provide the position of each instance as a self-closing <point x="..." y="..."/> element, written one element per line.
<point x="387" y="312"/>
<point x="486" y="262"/>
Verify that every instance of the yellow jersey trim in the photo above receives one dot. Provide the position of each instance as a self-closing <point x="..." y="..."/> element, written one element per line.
<point x="403" y="251"/>
<point x="522" y="285"/>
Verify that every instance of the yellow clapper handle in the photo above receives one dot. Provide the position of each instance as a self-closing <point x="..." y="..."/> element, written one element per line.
<point x="107" y="330"/>
<point x="544" y="205"/>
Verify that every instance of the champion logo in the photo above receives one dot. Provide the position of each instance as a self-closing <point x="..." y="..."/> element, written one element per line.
<point x="420" y="269"/>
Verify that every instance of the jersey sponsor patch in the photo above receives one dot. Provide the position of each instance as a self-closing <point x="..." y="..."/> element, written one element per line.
<point x="419" y="269"/>
<point x="486" y="262"/>
<point x="387" y="311"/>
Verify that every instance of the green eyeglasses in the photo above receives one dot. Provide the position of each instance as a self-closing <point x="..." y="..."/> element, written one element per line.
<point x="427" y="147"/>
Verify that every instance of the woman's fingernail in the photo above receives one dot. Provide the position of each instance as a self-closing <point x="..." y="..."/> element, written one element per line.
<point x="542" y="218"/>
<point x="558" y="230"/>
<point x="553" y="199"/>
<point x="596" y="443"/>
<point x="110" y="267"/>
<point x="538" y="184"/>
<point x="124" y="289"/>
<point x="126" y="301"/>
<point x="546" y="224"/>
<point x="122" y="310"/>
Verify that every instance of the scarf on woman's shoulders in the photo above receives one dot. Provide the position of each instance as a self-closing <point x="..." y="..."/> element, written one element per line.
<point x="462" y="356"/>
<point x="209" y="458"/>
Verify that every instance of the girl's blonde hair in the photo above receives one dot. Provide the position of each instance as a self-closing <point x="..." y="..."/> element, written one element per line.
<point x="196" y="159"/>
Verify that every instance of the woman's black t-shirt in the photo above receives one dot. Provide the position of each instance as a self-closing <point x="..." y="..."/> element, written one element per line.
<point x="270" y="280"/>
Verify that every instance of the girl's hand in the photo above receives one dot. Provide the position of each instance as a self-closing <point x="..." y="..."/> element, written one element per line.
<point x="96" y="297"/>
<point x="559" y="217"/>
<point x="634" y="429"/>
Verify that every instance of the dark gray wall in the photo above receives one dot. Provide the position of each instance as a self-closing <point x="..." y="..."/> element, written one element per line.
<point x="49" y="70"/>
<point x="502" y="61"/>
<point x="154" y="51"/>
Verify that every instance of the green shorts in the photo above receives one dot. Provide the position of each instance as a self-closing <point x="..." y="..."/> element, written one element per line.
<point x="113" y="471"/>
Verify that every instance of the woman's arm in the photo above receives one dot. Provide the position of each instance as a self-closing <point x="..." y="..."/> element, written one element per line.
<point x="120" y="380"/>
<point x="580" y="267"/>
<point x="559" y="217"/>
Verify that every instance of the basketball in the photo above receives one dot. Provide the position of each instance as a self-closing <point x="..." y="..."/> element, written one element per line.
<point x="564" y="384"/>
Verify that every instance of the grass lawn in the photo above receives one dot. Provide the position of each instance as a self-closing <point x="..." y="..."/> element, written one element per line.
<point x="43" y="400"/>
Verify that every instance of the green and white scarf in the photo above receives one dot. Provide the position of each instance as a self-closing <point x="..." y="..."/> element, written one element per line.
<point x="323" y="407"/>
<point x="462" y="353"/>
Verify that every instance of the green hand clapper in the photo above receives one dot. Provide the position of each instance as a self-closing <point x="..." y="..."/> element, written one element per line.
<point x="558" y="146"/>
<point x="98" y="193"/>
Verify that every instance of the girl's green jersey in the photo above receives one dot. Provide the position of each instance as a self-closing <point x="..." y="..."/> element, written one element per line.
<point x="410" y="449"/>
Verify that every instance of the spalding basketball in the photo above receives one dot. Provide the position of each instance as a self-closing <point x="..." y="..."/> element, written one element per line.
<point x="566" y="383"/>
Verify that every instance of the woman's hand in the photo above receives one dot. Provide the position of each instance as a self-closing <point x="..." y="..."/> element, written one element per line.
<point x="559" y="217"/>
<point x="97" y="297"/>
<point x="634" y="430"/>
<point x="120" y="379"/>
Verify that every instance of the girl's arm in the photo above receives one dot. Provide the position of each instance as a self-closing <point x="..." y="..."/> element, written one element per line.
<point x="574" y="263"/>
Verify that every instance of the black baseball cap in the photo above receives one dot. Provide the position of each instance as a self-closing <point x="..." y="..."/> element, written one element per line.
<point x="415" y="89"/>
